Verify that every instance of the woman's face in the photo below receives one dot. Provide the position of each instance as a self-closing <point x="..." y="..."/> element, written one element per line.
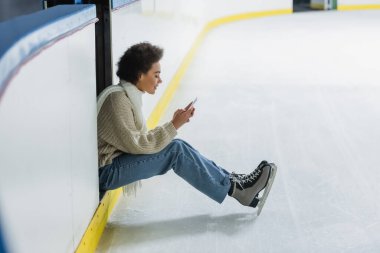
<point x="149" y="81"/>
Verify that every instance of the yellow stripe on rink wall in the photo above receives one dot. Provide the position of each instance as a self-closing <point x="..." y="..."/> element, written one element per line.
<point x="95" y="230"/>
<point x="91" y="237"/>
<point x="358" y="7"/>
<point x="163" y="103"/>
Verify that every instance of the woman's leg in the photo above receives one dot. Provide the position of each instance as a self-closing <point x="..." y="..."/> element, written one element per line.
<point x="185" y="161"/>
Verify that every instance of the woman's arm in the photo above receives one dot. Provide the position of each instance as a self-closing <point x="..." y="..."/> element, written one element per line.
<point x="117" y="127"/>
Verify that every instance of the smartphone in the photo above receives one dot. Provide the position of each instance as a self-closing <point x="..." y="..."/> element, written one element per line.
<point x="191" y="103"/>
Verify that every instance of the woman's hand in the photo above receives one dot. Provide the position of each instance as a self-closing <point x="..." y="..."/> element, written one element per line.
<point x="182" y="116"/>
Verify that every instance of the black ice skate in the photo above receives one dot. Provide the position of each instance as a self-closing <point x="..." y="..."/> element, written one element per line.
<point x="246" y="188"/>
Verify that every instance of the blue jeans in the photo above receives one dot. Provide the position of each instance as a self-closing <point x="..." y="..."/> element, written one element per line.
<point x="178" y="155"/>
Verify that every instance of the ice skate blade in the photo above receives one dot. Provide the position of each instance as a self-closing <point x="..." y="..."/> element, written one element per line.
<point x="267" y="188"/>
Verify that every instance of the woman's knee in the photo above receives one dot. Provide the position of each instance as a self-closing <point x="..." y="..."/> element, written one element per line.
<point x="176" y="146"/>
<point x="177" y="143"/>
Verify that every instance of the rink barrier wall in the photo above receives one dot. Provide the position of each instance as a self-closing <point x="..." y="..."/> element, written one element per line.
<point x="358" y="7"/>
<point x="97" y="225"/>
<point x="26" y="40"/>
<point x="98" y="222"/>
<point x="24" y="37"/>
<point x="117" y="4"/>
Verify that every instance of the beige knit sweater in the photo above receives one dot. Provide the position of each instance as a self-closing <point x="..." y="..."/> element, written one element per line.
<point x="121" y="131"/>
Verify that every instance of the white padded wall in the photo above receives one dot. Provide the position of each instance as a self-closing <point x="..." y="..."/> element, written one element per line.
<point x="48" y="150"/>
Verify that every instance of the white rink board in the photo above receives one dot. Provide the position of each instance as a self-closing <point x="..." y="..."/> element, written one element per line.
<point x="48" y="156"/>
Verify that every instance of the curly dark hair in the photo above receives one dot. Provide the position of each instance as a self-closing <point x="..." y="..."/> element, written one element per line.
<point x="137" y="60"/>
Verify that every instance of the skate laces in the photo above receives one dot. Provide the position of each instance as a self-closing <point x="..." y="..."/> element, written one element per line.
<point x="236" y="176"/>
<point x="251" y="177"/>
<point x="244" y="179"/>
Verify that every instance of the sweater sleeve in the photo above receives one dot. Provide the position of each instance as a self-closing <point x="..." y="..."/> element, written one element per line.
<point x="117" y="127"/>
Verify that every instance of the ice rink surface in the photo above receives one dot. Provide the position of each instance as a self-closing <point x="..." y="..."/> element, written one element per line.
<point x="300" y="90"/>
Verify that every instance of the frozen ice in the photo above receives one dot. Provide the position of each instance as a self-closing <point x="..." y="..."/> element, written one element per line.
<point x="300" y="90"/>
